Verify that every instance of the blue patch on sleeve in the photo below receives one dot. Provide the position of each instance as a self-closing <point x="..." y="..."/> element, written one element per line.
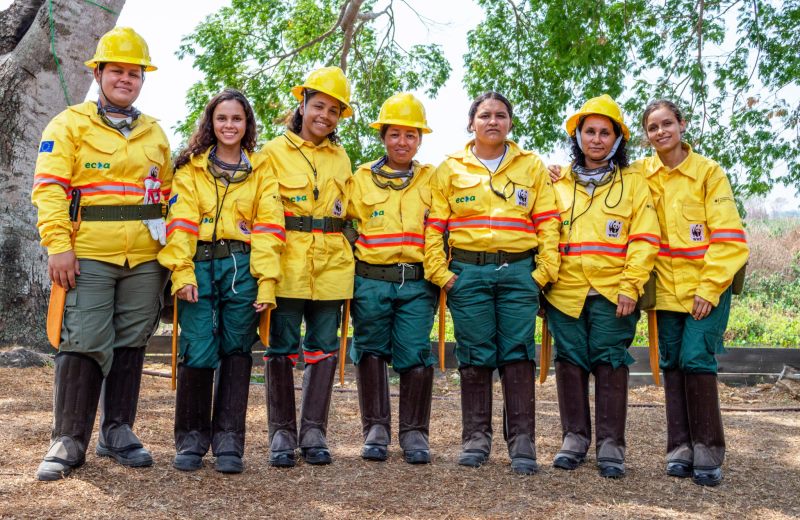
<point x="46" y="147"/>
<point x="173" y="200"/>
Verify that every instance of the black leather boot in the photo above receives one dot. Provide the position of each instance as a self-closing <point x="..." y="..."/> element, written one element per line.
<point x="476" y="415"/>
<point x="192" y="416"/>
<point x="118" y="403"/>
<point x="705" y="426"/>
<point x="520" y="415"/>
<point x="281" y="415"/>
<point x="572" y="384"/>
<point x="416" y="389"/>
<point x="76" y="390"/>
<point x="679" y="442"/>
<point x="230" y="412"/>
<point x="314" y="408"/>
<point x="611" y="408"/>
<point x="373" y="400"/>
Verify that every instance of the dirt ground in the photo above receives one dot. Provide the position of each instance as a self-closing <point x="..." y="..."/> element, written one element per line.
<point x="762" y="470"/>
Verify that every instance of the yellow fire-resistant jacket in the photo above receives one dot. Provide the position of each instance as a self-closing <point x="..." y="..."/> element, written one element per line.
<point x="703" y="242"/>
<point x="608" y="242"/>
<point x="251" y="212"/>
<point x="479" y="220"/>
<point x="316" y="266"/>
<point x="391" y="223"/>
<point x="79" y="151"/>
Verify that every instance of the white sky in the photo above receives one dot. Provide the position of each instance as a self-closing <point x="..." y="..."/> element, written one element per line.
<point x="163" y="24"/>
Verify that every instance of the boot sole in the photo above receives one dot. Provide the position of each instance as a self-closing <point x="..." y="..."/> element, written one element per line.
<point x="187" y="463"/>
<point x="473" y="460"/>
<point x="318" y="457"/>
<point x="679" y="470"/>
<point x="374" y="453"/>
<point x="524" y="466"/>
<point x="567" y="463"/>
<point x="140" y="462"/>
<point x="417" y="457"/>
<point x="229" y="465"/>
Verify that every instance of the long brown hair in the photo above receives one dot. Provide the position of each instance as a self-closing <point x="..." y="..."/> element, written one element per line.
<point x="204" y="138"/>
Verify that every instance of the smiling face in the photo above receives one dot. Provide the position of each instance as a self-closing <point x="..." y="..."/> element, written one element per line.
<point x="120" y="83"/>
<point x="321" y="114"/>
<point x="664" y="130"/>
<point x="597" y="138"/>
<point x="230" y="123"/>
<point x="401" y="143"/>
<point x="491" y="123"/>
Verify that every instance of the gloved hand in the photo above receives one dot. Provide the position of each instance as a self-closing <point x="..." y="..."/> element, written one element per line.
<point x="350" y="233"/>
<point x="158" y="229"/>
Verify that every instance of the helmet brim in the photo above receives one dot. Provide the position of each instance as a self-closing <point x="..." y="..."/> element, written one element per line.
<point x="297" y="92"/>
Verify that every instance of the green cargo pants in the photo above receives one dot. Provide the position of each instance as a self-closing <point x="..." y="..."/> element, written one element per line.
<point x="690" y="345"/>
<point x="111" y="307"/>
<point x="596" y="337"/>
<point x="494" y="313"/>
<point x="322" y="323"/>
<point x="233" y="315"/>
<point x="393" y="321"/>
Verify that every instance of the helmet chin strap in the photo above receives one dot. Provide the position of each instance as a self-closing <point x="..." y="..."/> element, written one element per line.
<point x="610" y="154"/>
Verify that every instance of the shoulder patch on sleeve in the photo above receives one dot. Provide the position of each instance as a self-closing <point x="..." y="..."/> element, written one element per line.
<point x="46" y="147"/>
<point x="173" y="200"/>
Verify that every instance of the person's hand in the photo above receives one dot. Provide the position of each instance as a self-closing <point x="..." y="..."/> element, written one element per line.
<point x="187" y="293"/>
<point x="555" y="172"/>
<point x="450" y="283"/>
<point x="261" y="307"/>
<point x="701" y="308"/>
<point x="62" y="268"/>
<point x="625" y="305"/>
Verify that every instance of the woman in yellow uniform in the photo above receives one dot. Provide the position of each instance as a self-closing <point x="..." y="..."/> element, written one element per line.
<point x="703" y="245"/>
<point x="225" y="237"/>
<point x="317" y="267"/>
<point x="393" y="304"/>
<point x="609" y="241"/>
<point x="497" y="202"/>
<point x="113" y="164"/>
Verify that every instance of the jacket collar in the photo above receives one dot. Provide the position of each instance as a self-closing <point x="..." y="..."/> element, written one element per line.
<point x="467" y="157"/>
<point x="299" y="141"/>
<point x="686" y="167"/>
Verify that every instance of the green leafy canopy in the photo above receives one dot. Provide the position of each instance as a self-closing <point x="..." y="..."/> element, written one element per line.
<point x="264" y="47"/>
<point x="732" y="65"/>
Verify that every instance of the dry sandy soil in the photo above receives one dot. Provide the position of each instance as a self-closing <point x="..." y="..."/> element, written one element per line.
<point x="762" y="471"/>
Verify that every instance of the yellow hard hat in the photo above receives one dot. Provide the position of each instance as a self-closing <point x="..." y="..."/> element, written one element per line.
<point x="330" y="81"/>
<point x="122" y="45"/>
<point x="601" y="105"/>
<point x="403" y="110"/>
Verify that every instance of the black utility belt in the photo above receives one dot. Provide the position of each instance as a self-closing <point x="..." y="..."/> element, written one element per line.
<point x="311" y="224"/>
<point x="219" y="249"/>
<point x="397" y="273"/>
<point x="112" y="213"/>
<point x="484" y="258"/>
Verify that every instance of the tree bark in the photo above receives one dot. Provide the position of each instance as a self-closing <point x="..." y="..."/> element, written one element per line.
<point x="32" y="94"/>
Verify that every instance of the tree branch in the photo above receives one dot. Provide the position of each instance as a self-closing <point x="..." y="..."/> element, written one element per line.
<point x="348" y="27"/>
<point x="15" y="21"/>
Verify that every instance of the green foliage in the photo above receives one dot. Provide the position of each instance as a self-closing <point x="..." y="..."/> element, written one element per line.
<point x="265" y="47"/>
<point x="739" y="93"/>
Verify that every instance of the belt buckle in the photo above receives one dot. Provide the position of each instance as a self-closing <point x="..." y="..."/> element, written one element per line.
<point x="480" y="257"/>
<point x="307" y="224"/>
<point x="502" y="257"/>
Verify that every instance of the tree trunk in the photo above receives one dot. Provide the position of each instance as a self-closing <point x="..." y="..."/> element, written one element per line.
<point x="32" y="94"/>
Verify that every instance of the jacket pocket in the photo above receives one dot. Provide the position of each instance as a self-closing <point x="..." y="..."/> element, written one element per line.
<point x="295" y="194"/>
<point x="466" y="195"/>
<point x="374" y="206"/>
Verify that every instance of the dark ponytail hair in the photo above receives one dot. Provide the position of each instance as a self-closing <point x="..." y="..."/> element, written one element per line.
<point x="661" y="103"/>
<point x="295" y="121"/>
<point x="473" y="109"/>
<point x="204" y="138"/>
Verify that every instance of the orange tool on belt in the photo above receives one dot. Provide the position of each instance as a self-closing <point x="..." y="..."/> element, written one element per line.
<point x="546" y="352"/>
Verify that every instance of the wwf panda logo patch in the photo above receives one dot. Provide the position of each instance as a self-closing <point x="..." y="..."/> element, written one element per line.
<point x="613" y="228"/>
<point x="522" y="198"/>
<point x="337" y="208"/>
<point x="697" y="232"/>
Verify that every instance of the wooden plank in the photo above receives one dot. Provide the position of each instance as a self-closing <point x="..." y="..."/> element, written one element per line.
<point x="755" y="362"/>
